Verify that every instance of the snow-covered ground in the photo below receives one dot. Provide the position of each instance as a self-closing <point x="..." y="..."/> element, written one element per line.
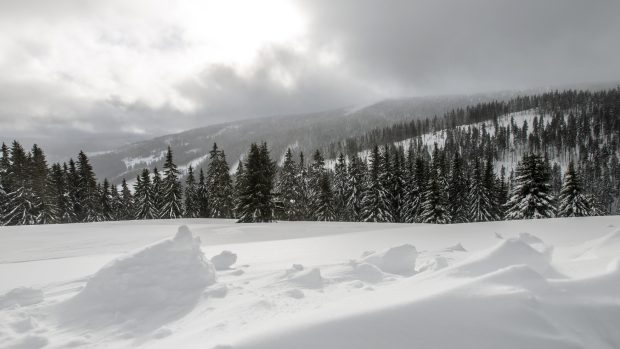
<point x="521" y="284"/>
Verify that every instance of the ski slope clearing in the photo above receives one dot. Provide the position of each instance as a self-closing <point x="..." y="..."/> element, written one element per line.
<point x="198" y="283"/>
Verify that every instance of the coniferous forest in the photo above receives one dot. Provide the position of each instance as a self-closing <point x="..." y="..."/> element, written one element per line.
<point x="568" y="165"/>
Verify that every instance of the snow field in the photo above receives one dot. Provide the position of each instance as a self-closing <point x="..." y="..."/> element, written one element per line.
<point x="535" y="284"/>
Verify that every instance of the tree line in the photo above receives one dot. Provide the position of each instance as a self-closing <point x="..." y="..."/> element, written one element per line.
<point x="463" y="179"/>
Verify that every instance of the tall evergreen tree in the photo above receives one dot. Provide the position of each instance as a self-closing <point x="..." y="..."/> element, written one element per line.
<point x="573" y="202"/>
<point x="435" y="207"/>
<point x="415" y="187"/>
<point x="105" y="211"/>
<point x="324" y="210"/>
<point x="192" y="202"/>
<point x="157" y="192"/>
<point x="21" y="202"/>
<point x="172" y="192"/>
<point x="531" y="193"/>
<point x="376" y="202"/>
<point x="356" y="189"/>
<point x="59" y="192"/>
<point x="341" y="189"/>
<point x="87" y="195"/>
<point x="480" y="200"/>
<point x="143" y="197"/>
<point x="219" y="184"/>
<point x="287" y="187"/>
<point x="256" y="201"/>
<point x="457" y="191"/>
<point x="127" y="202"/>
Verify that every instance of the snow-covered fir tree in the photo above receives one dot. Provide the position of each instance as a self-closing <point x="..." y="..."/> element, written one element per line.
<point x="435" y="206"/>
<point x="87" y="195"/>
<point x="458" y="191"/>
<point x="143" y="197"/>
<point x="414" y="191"/>
<point x="191" y="203"/>
<point x="356" y="189"/>
<point x="127" y="209"/>
<point x="530" y="197"/>
<point x="256" y="203"/>
<point x="202" y="195"/>
<point x="157" y="193"/>
<point x="573" y="202"/>
<point x="324" y="207"/>
<point x="341" y="188"/>
<point x="287" y="187"/>
<point x="172" y="192"/>
<point x="375" y="204"/>
<point x="219" y="184"/>
<point x="480" y="200"/>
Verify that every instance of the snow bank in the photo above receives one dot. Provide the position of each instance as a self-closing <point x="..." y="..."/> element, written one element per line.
<point x="305" y="278"/>
<point x="396" y="260"/>
<point x="367" y="272"/>
<point x="224" y="260"/>
<point x="22" y="296"/>
<point x="145" y="289"/>
<point x="509" y="252"/>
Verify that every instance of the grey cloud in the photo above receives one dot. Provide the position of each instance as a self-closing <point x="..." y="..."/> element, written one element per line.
<point x="447" y="46"/>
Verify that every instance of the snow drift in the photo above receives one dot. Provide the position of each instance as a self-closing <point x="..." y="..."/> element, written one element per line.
<point x="145" y="289"/>
<point x="396" y="260"/>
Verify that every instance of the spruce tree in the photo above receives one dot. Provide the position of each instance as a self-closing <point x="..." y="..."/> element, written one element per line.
<point x="105" y="212"/>
<point x="172" y="192"/>
<point x="59" y="191"/>
<point x="127" y="202"/>
<point x="192" y="203"/>
<point x="573" y="202"/>
<point x="315" y="173"/>
<point x="219" y="184"/>
<point x="21" y="202"/>
<point x="531" y="193"/>
<point x="341" y="189"/>
<point x="87" y="195"/>
<point x="202" y="195"/>
<point x="414" y="191"/>
<point x="256" y="202"/>
<point x="375" y="203"/>
<point x="435" y="207"/>
<point x="303" y="193"/>
<point x="480" y="200"/>
<point x="458" y="191"/>
<point x="287" y="187"/>
<point x="325" y="208"/>
<point x="143" y="197"/>
<point x="157" y="192"/>
<point x="356" y="189"/>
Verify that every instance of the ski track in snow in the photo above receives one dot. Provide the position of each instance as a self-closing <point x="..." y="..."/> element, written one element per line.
<point x="544" y="284"/>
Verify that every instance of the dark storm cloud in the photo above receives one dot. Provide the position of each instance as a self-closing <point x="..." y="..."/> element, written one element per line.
<point x="446" y="46"/>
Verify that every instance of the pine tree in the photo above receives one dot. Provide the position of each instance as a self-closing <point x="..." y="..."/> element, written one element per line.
<point x="315" y="173"/>
<point x="341" y="189"/>
<point x="256" y="201"/>
<point x="59" y="192"/>
<point x="287" y="187"/>
<point x="157" y="192"/>
<point x="573" y="203"/>
<point x="324" y="209"/>
<point x="143" y="197"/>
<point x="414" y="191"/>
<point x="356" y="189"/>
<point x="375" y="203"/>
<point x="531" y="193"/>
<point x="203" y="196"/>
<point x="105" y="212"/>
<point x="219" y="184"/>
<point x="434" y="207"/>
<point x="127" y="202"/>
<point x="21" y="201"/>
<point x="172" y="193"/>
<point x="73" y="189"/>
<point x="87" y="194"/>
<point x="480" y="199"/>
<point x="238" y="188"/>
<point x="457" y="191"/>
<point x="192" y="203"/>
<point x="303" y="193"/>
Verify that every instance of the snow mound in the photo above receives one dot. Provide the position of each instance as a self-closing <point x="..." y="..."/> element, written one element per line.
<point x="455" y="248"/>
<point x="22" y="296"/>
<point x="146" y="289"/>
<point x="305" y="278"/>
<point x="606" y="246"/>
<point x="367" y="272"/>
<point x="520" y="276"/>
<point x="224" y="260"/>
<point x="434" y="264"/>
<point x="509" y="252"/>
<point x="396" y="260"/>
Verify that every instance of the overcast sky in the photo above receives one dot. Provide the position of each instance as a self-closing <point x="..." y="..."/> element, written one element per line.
<point x="115" y="70"/>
